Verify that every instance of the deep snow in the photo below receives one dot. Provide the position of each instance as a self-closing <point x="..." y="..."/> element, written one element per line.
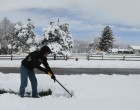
<point x="91" y="92"/>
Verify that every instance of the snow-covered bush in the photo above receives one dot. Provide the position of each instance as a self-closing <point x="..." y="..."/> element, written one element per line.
<point x="58" y="37"/>
<point x="23" y="37"/>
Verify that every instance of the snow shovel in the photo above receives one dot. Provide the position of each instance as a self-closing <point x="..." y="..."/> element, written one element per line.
<point x="61" y="85"/>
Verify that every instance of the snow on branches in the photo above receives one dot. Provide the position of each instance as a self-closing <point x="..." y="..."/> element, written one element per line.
<point x="58" y="37"/>
<point x="23" y="36"/>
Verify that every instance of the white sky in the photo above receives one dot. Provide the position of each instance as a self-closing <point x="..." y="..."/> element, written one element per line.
<point x="87" y="16"/>
<point x="123" y="11"/>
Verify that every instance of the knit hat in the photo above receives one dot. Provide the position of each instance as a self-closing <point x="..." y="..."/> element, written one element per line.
<point x="44" y="50"/>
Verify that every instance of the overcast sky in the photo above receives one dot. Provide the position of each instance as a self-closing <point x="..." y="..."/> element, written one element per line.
<point x="87" y="18"/>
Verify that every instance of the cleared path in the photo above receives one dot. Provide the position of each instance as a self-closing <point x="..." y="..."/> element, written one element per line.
<point x="69" y="71"/>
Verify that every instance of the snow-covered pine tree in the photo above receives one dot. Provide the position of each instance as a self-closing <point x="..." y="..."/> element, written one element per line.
<point x="6" y="28"/>
<point x="58" y="37"/>
<point x="107" y="39"/>
<point x="23" y="37"/>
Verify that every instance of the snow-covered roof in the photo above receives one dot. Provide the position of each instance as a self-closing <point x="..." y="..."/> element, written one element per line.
<point x="116" y="50"/>
<point x="123" y="49"/>
<point x="135" y="47"/>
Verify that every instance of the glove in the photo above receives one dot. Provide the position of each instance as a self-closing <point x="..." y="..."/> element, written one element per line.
<point x="53" y="77"/>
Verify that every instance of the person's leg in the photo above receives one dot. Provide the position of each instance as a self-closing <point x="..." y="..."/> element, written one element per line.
<point x="33" y="80"/>
<point x="24" y="80"/>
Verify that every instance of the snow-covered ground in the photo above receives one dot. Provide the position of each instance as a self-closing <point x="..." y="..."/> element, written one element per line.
<point x="81" y="63"/>
<point x="91" y="92"/>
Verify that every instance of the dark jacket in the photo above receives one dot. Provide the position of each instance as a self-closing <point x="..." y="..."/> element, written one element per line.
<point x="35" y="59"/>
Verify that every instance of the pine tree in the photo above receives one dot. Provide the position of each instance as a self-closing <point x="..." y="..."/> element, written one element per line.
<point x="107" y="39"/>
<point x="6" y="28"/>
<point x="23" y="36"/>
<point x="58" y="38"/>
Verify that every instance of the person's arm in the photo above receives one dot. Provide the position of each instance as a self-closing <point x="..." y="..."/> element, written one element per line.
<point x="48" y="69"/>
<point x="41" y="68"/>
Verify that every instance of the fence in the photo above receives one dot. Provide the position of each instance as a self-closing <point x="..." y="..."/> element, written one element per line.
<point x="114" y="57"/>
<point x="76" y="57"/>
<point x="20" y="57"/>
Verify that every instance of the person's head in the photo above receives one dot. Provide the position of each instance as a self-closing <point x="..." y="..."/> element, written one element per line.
<point x="44" y="51"/>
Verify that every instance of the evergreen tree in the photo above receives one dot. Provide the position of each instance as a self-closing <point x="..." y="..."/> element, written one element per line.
<point x="58" y="38"/>
<point x="107" y="39"/>
<point x="6" y="28"/>
<point x="23" y="37"/>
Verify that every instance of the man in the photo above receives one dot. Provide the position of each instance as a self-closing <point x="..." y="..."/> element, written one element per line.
<point x="34" y="60"/>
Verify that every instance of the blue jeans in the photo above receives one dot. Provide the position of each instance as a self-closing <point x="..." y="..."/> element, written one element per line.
<point x="25" y="73"/>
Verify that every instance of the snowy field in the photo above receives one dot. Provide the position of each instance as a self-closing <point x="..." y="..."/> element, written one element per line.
<point x="82" y="63"/>
<point x="91" y="92"/>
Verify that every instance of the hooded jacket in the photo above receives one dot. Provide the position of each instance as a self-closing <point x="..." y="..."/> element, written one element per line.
<point x="36" y="58"/>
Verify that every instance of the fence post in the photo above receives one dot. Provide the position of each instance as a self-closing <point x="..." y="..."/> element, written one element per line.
<point x="66" y="57"/>
<point x="54" y="56"/>
<point x="88" y="57"/>
<point x="102" y="57"/>
<point x="11" y="57"/>
<point x="124" y="57"/>
<point x="76" y="59"/>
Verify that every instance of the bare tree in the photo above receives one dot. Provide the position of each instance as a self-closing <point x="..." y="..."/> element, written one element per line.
<point x="93" y="45"/>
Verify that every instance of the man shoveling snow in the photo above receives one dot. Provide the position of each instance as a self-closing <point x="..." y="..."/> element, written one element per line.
<point x="34" y="60"/>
